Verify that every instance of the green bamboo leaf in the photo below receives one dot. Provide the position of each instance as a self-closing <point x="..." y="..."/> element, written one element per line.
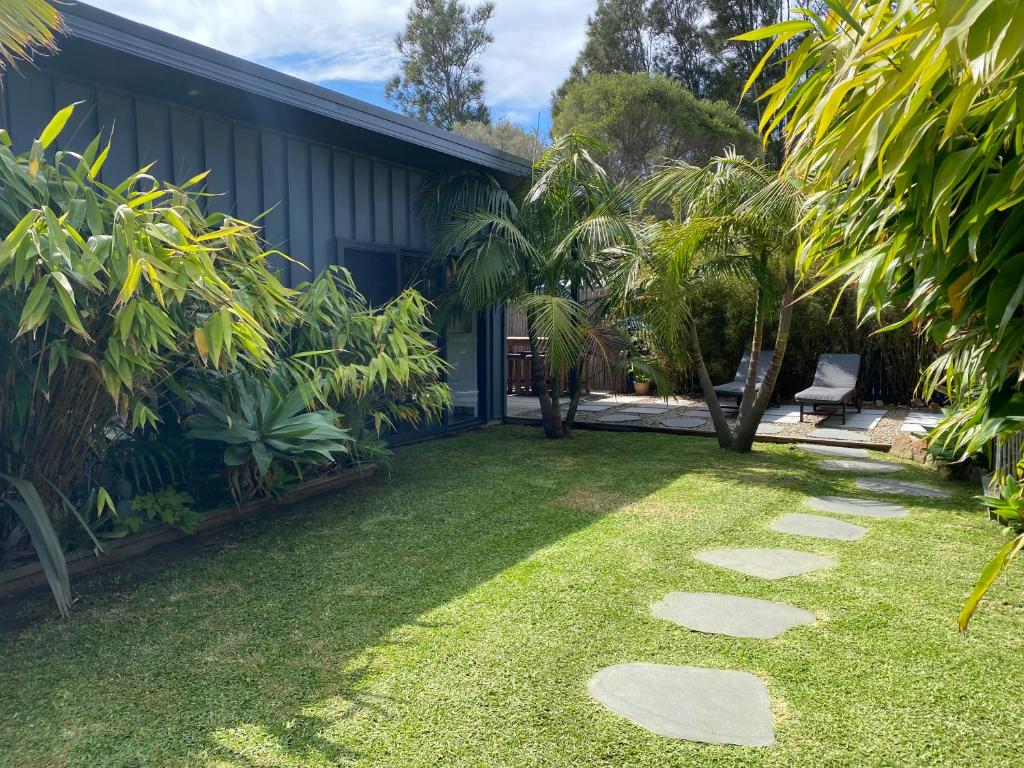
<point x="56" y="125"/>
<point x="988" y="576"/>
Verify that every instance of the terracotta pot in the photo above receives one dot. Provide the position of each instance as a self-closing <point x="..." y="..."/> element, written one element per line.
<point x="642" y="387"/>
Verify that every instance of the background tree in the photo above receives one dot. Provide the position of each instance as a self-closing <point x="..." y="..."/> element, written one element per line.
<point x="648" y="120"/>
<point x="505" y="135"/>
<point x="689" y="41"/>
<point x="26" y="27"/>
<point x="440" y="80"/>
<point x="908" y="136"/>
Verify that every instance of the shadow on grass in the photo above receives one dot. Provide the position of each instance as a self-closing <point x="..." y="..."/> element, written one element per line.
<point x="221" y="647"/>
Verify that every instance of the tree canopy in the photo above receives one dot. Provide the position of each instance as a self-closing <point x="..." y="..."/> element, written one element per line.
<point x="689" y="41"/>
<point x="647" y="120"/>
<point x="505" y="135"/>
<point x="440" y="81"/>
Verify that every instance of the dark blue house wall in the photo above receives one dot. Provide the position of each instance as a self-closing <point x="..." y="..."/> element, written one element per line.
<point x="321" y="199"/>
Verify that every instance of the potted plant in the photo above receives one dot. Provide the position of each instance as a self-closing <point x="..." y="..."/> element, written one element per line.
<point x="641" y="382"/>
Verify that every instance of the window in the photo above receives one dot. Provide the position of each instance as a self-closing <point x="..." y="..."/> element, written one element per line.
<point x="375" y="274"/>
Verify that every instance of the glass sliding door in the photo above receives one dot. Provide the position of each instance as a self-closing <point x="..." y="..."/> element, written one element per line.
<point x="461" y="348"/>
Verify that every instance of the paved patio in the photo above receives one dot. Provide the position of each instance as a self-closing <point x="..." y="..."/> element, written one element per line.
<point x="872" y="427"/>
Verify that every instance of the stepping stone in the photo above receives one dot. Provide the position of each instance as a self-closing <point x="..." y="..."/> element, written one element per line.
<point x="862" y="421"/>
<point x="846" y="435"/>
<point x="844" y="505"/>
<point x="684" y="422"/>
<point x="854" y="465"/>
<point x="702" y="413"/>
<point x="593" y="406"/>
<point x="835" y="450"/>
<point x="901" y="487"/>
<point x="647" y="409"/>
<point x="713" y="706"/>
<point x="730" y="615"/>
<point x="768" y="429"/>
<point x="783" y="415"/>
<point x="617" y="418"/>
<point x="766" y="563"/>
<point x="818" y="527"/>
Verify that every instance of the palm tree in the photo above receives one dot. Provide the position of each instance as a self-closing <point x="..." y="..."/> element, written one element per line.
<point x="540" y="249"/>
<point x="26" y="27"/>
<point x="732" y="215"/>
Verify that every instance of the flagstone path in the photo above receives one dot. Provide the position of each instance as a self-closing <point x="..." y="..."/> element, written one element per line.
<point x="723" y="706"/>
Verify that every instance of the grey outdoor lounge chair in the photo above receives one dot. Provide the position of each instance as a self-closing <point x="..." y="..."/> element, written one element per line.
<point x="834" y="385"/>
<point x="735" y="387"/>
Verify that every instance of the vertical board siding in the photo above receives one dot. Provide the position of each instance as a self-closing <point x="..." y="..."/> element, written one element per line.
<point x="321" y="207"/>
<point x="317" y="198"/>
<point x="187" y="145"/>
<point x="116" y="117"/>
<point x="362" y="190"/>
<point x="344" y="197"/>
<point x="300" y="219"/>
<point x="220" y="162"/>
<point x="381" y="204"/>
<point x="29" y="106"/>
<point x="400" y="206"/>
<point x="153" y="134"/>
<point x="248" y="188"/>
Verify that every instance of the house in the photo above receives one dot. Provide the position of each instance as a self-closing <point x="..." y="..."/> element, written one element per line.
<point x="339" y="177"/>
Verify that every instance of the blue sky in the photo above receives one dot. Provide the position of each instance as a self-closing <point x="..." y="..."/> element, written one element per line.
<point x="348" y="45"/>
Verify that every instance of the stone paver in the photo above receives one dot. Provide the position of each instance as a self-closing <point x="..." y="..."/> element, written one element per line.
<point x="713" y="706"/>
<point x="835" y="450"/>
<point x="617" y="418"/>
<point x="766" y="563"/>
<point x="684" y="422"/>
<point x="864" y="421"/>
<point x="592" y="407"/>
<point x="729" y="614"/>
<point x="845" y="505"/>
<point x="818" y="527"/>
<point x="918" y="422"/>
<point x="645" y="409"/>
<point x="856" y="465"/>
<point x="769" y="429"/>
<point x="846" y="435"/>
<point x="900" y="487"/>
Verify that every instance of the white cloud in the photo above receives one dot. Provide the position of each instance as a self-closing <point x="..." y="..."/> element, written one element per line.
<point x="321" y="40"/>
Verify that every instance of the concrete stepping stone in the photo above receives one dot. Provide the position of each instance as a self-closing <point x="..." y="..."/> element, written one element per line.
<point x="845" y="505"/>
<point x="846" y="435"/>
<point x="835" y="450"/>
<point x="769" y="429"/>
<point x="730" y="615"/>
<point x="818" y="527"/>
<point x="651" y="409"/>
<point x="766" y="563"/>
<point x="617" y="418"/>
<point x="862" y="421"/>
<point x="594" y="407"/>
<point x="900" y="487"/>
<point x="703" y="413"/>
<point x="683" y="422"/>
<point x="855" y="465"/>
<point x="713" y="706"/>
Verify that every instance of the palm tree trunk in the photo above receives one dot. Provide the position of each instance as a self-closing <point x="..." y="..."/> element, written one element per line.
<point x="722" y="430"/>
<point x="549" y="412"/>
<point x="749" y="386"/>
<point x="746" y="428"/>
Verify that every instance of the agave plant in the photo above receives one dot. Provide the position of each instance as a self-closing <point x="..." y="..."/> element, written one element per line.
<point x="263" y="422"/>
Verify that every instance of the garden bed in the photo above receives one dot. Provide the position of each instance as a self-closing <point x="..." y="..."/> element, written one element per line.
<point x="29" y="577"/>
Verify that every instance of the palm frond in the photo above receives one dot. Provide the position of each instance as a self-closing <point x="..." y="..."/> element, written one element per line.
<point x="27" y="27"/>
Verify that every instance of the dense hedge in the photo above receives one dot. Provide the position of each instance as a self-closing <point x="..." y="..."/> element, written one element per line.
<point x="892" y="361"/>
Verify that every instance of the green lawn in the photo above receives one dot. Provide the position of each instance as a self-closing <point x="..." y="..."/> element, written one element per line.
<point x="450" y="615"/>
